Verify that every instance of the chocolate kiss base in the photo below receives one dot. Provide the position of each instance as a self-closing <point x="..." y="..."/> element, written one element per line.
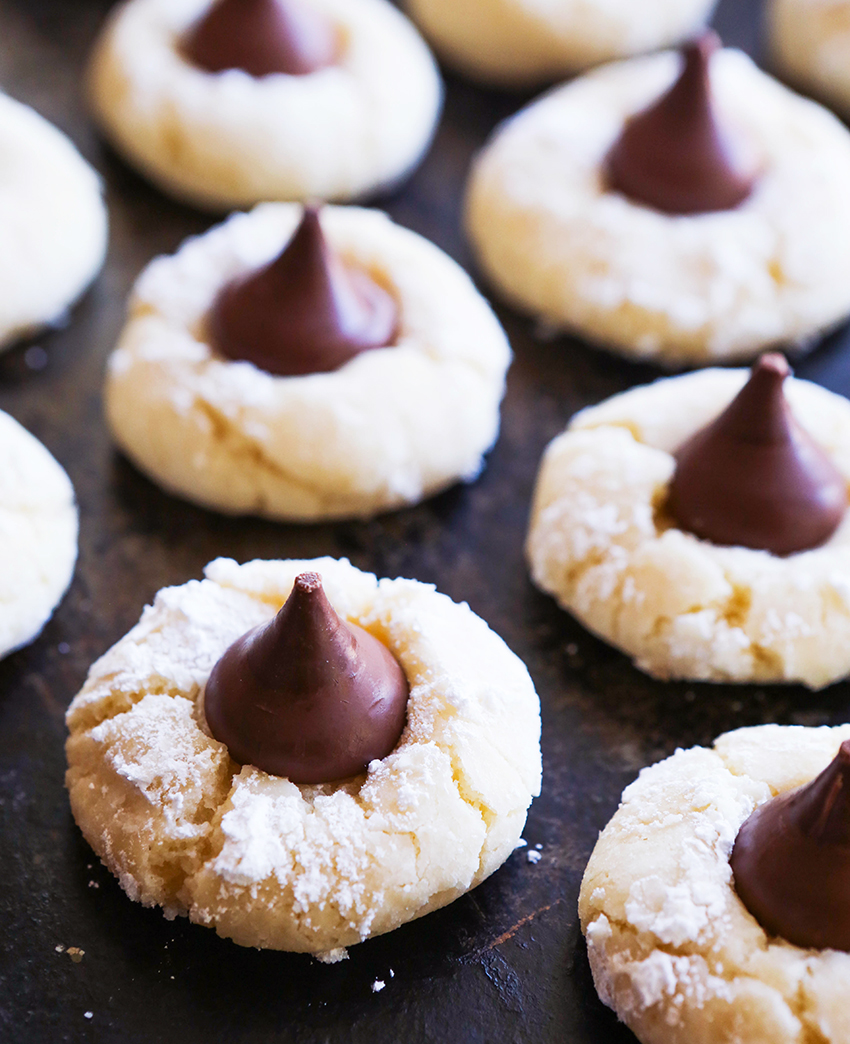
<point x="261" y="37"/>
<point x="307" y="696"/>
<point x="754" y="478"/>
<point x="673" y="156"/>
<point x="791" y="861"/>
<point x="305" y="312"/>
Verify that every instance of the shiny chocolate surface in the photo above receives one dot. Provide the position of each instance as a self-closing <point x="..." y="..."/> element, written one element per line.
<point x="307" y="696"/>
<point x="676" y="156"/>
<point x="791" y="860"/>
<point x="304" y="312"/>
<point x="261" y="37"/>
<point x="754" y="477"/>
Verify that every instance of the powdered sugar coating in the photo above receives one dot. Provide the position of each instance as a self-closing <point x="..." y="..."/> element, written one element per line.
<point x="391" y="426"/>
<point x="673" y="950"/>
<point x="601" y="543"/>
<point x="38" y="535"/>
<point x="225" y="140"/>
<point x="297" y="867"/>
<point x="517" y="43"/>
<point x="53" y="222"/>
<point x="676" y="289"/>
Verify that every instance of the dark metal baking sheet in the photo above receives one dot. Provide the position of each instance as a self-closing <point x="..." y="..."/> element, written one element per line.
<point x="505" y="963"/>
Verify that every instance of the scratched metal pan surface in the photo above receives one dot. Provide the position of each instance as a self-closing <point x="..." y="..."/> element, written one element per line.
<point x="504" y="963"/>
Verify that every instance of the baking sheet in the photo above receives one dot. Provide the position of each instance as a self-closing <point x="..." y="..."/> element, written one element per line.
<point x="504" y="963"/>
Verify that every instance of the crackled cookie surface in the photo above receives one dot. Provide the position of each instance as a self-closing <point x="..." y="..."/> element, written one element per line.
<point x="229" y="139"/>
<point x="38" y="535"/>
<point x="810" y="45"/>
<point x="601" y="542"/>
<point x="673" y="949"/>
<point x="302" y="867"/>
<point x="389" y="427"/>
<point x="523" y="42"/>
<point x="53" y="222"/>
<point x="679" y="289"/>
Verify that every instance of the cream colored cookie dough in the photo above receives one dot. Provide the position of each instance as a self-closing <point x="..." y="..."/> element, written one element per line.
<point x="601" y="544"/>
<point x="38" y="535"/>
<point x="672" y="948"/>
<point x="53" y="223"/>
<point x="309" y="868"/>
<point x="674" y="289"/>
<point x="809" y="43"/>
<point x="225" y="140"/>
<point x="519" y="43"/>
<point x="391" y="426"/>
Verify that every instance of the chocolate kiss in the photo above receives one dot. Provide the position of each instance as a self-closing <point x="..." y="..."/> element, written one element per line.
<point x="261" y="37"/>
<point x="791" y="860"/>
<point x="307" y="695"/>
<point x="673" y="156"/>
<point x="754" y="477"/>
<point x="304" y="312"/>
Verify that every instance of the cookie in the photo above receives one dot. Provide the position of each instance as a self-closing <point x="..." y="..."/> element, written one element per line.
<point x="230" y="139"/>
<point x="602" y="541"/>
<point x="809" y="43"/>
<point x="305" y="867"/>
<point x="673" y="949"/>
<point x="38" y="535"/>
<point x="679" y="289"/>
<point x="53" y="222"/>
<point x="520" y="43"/>
<point x="387" y="428"/>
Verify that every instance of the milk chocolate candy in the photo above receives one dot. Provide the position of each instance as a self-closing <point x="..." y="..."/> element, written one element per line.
<point x="675" y="156"/>
<point x="261" y="37"/>
<point x="307" y="695"/>
<point x="304" y="312"/>
<point x="754" y="477"/>
<point x="791" y="861"/>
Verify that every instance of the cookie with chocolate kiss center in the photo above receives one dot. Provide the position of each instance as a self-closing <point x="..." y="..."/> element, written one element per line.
<point x="791" y="861"/>
<point x="307" y="696"/>
<point x="754" y="478"/>
<point x="305" y="312"/>
<point x="261" y="37"/>
<point x="674" y="156"/>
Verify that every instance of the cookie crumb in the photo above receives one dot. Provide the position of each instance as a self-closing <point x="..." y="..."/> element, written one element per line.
<point x="93" y="884"/>
<point x="392" y="974"/>
<point x="59" y="948"/>
<point x="339" y="953"/>
<point x="75" y="953"/>
<point x="533" y="856"/>
<point x="88" y="1014"/>
<point x="378" y="985"/>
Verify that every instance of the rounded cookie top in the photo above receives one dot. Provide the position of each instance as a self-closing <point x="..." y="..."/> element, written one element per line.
<point x="303" y="867"/>
<point x="673" y="949"/>
<point x="809" y="42"/>
<point x="229" y="139"/>
<point x="387" y="428"/>
<point x="602" y="543"/>
<point x="38" y="535"/>
<point x="519" y="43"/>
<point x="678" y="289"/>
<point x="53" y="222"/>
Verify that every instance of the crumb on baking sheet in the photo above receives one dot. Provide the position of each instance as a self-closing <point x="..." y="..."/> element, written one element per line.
<point x="378" y="985"/>
<point x="339" y="953"/>
<point x="75" y="953"/>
